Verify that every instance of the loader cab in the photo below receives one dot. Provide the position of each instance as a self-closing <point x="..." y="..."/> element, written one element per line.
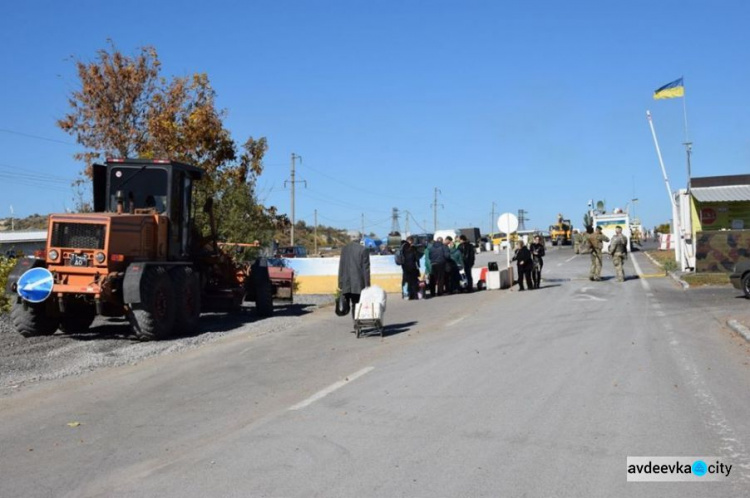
<point x="150" y="186"/>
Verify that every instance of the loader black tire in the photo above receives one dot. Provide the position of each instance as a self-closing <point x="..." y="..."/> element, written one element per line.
<point x="77" y="319"/>
<point x="31" y="319"/>
<point x="154" y="317"/>
<point x="187" y="300"/>
<point x="264" y="299"/>
<point x="263" y="288"/>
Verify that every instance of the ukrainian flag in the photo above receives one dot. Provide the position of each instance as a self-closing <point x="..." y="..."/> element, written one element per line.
<point x="670" y="90"/>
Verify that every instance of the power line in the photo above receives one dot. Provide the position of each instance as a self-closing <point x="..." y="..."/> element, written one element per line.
<point x="37" y="137"/>
<point x="354" y="187"/>
<point x="19" y="171"/>
<point x="293" y="182"/>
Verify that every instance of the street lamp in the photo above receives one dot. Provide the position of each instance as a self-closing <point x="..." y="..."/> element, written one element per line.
<point x="633" y="201"/>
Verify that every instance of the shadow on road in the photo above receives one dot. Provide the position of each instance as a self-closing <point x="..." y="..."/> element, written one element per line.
<point x="397" y="328"/>
<point x="388" y="330"/>
<point x="543" y="286"/>
<point x="293" y="309"/>
<point x="119" y="328"/>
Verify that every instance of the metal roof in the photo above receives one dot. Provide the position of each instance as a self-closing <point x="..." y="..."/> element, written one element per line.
<point x="732" y="193"/>
<point x="25" y="236"/>
<point x="720" y="181"/>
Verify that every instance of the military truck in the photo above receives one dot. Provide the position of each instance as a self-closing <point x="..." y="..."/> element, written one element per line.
<point x="561" y="233"/>
<point x="139" y="256"/>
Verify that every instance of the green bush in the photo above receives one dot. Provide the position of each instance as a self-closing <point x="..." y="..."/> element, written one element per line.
<point x="669" y="265"/>
<point x="6" y="265"/>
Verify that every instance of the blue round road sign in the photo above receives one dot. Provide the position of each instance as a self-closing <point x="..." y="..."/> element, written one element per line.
<point x="35" y="285"/>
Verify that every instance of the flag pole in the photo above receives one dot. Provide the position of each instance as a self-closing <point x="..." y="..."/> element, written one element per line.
<point x="675" y="211"/>
<point x="661" y="161"/>
<point x="688" y="144"/>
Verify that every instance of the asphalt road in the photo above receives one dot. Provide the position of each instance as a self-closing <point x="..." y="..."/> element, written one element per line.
<point x="496" y="393"/>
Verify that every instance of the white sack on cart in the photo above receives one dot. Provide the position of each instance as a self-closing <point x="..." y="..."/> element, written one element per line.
<point x="373" y="295"/>
<point x="371" y="304"/>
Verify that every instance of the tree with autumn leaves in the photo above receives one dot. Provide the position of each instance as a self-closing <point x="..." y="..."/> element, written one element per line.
<point x="125" y="108"/>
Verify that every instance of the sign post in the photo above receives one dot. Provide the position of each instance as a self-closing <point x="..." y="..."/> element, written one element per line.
<point x="35" y="285"/>
<point x="507" y="223"/>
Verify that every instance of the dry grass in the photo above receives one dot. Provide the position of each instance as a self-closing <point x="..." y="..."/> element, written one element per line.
<point x="698" y="279"/>
<point x="694" y="279"/>
<point x="661" y="256"/>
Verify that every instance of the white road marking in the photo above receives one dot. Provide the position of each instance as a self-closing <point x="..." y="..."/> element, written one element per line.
<point x="638" y="272"/>
<point x="713" y="415"/>
<point x="589" y="297"/>
<point x="454" y="322"/>
<point x="333" y="387"/>
<point x="570" y="259"/>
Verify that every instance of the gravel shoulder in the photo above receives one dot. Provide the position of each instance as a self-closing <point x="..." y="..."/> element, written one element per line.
<point x="26" y="361"/>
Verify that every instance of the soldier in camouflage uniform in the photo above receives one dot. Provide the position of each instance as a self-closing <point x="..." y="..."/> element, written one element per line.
<point x="596" y="241"/>
<point x="618" y="249"/>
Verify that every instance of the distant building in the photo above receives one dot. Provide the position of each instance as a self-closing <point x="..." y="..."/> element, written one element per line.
<point x="22" y="243"/>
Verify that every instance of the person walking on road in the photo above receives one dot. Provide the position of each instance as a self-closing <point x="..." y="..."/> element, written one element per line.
<point x="354" y="271"/>
<point x="468" y="251"/>
<point x="596" y="242"/>
<point x="537" y="256"/>
<point x="524" y="262"/>
<point x="618" y="249"/>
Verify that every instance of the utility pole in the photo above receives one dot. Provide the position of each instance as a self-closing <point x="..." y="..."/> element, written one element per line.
<point x="492" y="218"/>
<point x="292" y="181"/>
<point x="434" y="208"/>
<point x="316" y="231"/>
<point x="363" y="226"/>
<point x="394" y="223"/>
<point x="12" y="225"/>
<point x="688" y="152"/>
<point x="406" y="226"/>
<point x="522" y="219"/>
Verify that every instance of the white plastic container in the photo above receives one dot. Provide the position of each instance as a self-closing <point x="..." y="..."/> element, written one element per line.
<point x="493" y="280"/>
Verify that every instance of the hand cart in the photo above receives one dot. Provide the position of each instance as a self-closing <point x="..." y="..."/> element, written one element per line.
<point x="368" y="316"/>
<point x="369" y="311"/>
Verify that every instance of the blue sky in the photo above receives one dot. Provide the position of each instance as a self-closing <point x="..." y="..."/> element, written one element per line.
<point x="538" y="106"/>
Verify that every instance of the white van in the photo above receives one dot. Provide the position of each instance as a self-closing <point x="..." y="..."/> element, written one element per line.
<point x="453" y="233"/>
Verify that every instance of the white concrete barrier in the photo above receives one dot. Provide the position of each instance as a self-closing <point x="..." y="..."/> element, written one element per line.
<point x="665" y="241"/>
<point x="321" y="275"/>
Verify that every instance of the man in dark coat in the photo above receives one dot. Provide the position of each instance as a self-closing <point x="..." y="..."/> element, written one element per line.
<point x="537" y="255"/>
<point x="410" y="267"/>
<point x="439" y="256"/>
<point x="468" y="251"/>
<point x="354" y="271"/>
<point x="524" y="264"/>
